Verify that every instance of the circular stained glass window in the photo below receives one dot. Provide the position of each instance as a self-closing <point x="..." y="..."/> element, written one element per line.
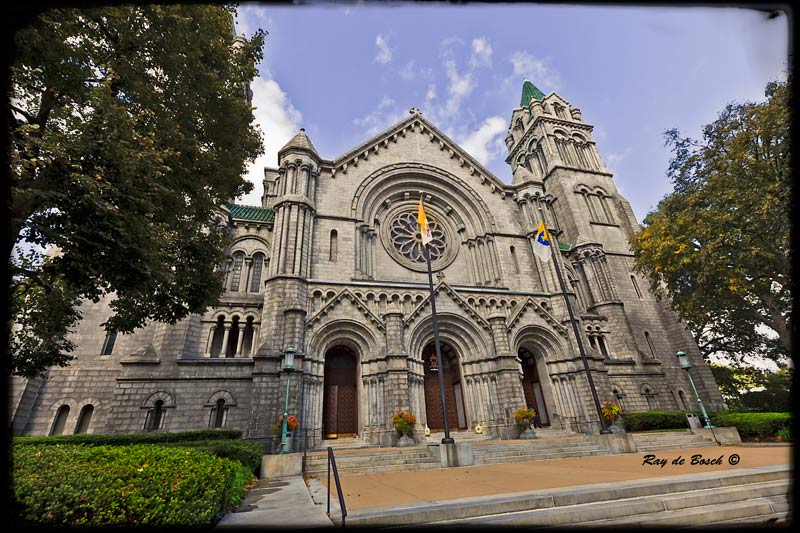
<point x="407" y="239"/>
<point x="403" y="240"/>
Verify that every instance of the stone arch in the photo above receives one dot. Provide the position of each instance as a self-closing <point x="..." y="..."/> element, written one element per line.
<point x="466" y="337"/>
<point x="350" y="333"/>
<point x="164" y="396"/>
<point x="550" y="345"/>
<point x="221" y="394"/>
<point x="449" y="193"/>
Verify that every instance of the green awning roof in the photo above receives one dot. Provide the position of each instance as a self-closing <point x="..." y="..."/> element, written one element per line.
<point x="529" y="91"/>
<point x="251" y="212"/>
<point x="564" y="246"/>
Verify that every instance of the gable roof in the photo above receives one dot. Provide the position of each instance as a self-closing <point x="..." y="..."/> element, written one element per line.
<point x="461" y="302"/>
<point x="415" y="121"/>
<point x="336" y="300"/>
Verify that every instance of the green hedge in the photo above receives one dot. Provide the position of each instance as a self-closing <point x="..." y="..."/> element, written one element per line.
<point x="133" y="438"/>
<point x="750" y="425"/>
<point x="77" y="485"/>
<point x="246" y="452"/>
<point x="654" y="420"/>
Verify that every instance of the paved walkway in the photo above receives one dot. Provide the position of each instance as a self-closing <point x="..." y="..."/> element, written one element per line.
<point x="287" y="503"/>
<point x="431" y="486"/>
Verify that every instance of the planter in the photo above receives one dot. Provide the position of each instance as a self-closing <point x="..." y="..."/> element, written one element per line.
<point x="529" y="433"/>
<point x="405" y="441"/>
<point x="617" y="426"/>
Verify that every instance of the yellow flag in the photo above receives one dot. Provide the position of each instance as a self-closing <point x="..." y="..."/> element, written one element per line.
<point x="422" y="220"/>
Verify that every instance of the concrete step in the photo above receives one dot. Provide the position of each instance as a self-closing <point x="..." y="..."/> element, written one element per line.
<point x="624" y="501"/>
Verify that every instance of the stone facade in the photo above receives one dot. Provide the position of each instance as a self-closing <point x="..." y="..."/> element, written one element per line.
<point x="329" y="265"/>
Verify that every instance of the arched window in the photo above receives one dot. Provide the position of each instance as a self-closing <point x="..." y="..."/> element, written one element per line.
<point x="619" y="397"/>
<point x="60" y="420"/>
<point x="650" y="344"/>
<point x="219" y="414"/>
<point x="247" y="341"/>
<point x="636" y="287"/>
<point x="603" y="199"/>
<point x="155" y="417"/>
<point x="334" y="248"/>
<point x="650" y="398"/>
<point x="255" y="277"/>
<point x="602" y="344"/>
<point x="514" y="259"/>
<point x="108" y="343"/>
<point x="236" y="273"/>
<point x="233" y="338"/>
<point x="219" y="335"/>
<point x="84" y="419"/>
<point x="589" y="206"/>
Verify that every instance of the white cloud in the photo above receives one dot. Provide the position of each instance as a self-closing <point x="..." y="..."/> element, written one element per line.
<point x="613" y="160"/>
<point x="486" y="142"/>
<point x="536" y="70"/>
<point x="407" y="72"/>
<point x="431" y="92"/>
<point x="481" y="53"/>
<point x="279" y="121"/>
<point x="249" y="18"/>
<point x="460" y="87"/>
<point x="383" y="116"/>
<point x="384" y="53"/>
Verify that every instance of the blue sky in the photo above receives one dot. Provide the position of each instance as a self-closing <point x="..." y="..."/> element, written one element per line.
<point x="346" y="71"/>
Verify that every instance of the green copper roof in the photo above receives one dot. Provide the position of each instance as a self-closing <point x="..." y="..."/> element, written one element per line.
<point x="251" y="212"/>
<point x="564" y="246"/>
<point x="529" y="91"/>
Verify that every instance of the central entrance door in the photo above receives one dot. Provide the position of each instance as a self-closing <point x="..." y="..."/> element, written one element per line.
<point x="339" y="403"/>
<point x="532" y="386"/>
<point x="456" y="416"/>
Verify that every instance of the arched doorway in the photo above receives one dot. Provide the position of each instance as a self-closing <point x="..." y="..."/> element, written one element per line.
<point x="340" y="399"/>
<point x="454" y="395"/>
<point x="532" y="386"/>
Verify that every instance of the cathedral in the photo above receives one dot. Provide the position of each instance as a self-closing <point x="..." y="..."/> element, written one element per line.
<point x="327" y="306"/>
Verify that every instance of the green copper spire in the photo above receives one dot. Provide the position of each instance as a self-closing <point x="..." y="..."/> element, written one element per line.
<point x="529" y="91"/>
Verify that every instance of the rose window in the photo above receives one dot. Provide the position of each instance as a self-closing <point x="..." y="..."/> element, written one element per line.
<point x="407" y="239"/>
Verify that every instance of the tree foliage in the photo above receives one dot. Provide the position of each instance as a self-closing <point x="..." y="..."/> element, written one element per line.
<point x="719" y="245"/>
<point x="749" y="389"/>
<point x="128" y="125"/>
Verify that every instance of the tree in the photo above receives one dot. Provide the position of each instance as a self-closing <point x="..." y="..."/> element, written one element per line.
<point x="719" y="245"/>
<point x="752" y="390"/>
<point x="128" y="127"/>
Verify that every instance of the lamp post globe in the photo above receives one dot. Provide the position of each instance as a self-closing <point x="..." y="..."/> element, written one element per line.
<point x="288" y="367"/>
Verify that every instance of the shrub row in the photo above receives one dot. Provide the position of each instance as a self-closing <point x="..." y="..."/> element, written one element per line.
<point x="750" y="425"/>
<point x="77" y="485"/>
<point x="246" y="452"/>
<point x="134" y="438"/>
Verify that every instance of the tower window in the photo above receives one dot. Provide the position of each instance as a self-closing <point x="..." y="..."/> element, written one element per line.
<point x="334" y="248"/>
<point x="255" y="277"/>
<point x="514" y="259"/>
<point x="650" y="344"/>
<point x="108" y="343"/>
<point x="602" y="344"/>
<point x="236" y="275"/>
<point x="636" y="287"/>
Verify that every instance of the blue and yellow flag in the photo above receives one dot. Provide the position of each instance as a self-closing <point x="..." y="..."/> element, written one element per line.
<point x="541" y="245"/>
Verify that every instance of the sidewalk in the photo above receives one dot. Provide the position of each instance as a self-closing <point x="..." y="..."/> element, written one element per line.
<point x="436" y="486"/>
<point x="289" y="503"/>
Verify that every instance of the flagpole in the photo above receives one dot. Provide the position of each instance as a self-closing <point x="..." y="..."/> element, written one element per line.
<point x="446" y="439"/>
<point x="554" y="252"/>
<point x="425" y="236"/>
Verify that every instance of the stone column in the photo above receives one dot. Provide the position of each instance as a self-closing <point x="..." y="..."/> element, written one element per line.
<point x="509" y="393"/>
<point x="224" y="351"/>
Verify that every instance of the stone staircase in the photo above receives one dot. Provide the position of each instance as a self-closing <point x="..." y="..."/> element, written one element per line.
<point x="351" y="462"/>
<point x="756" y="496"/>
<point x="669" y="440"/>
<point x="518" y="451"/>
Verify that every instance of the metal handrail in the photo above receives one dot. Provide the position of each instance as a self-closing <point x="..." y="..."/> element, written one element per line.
<point x="332" y="460"/>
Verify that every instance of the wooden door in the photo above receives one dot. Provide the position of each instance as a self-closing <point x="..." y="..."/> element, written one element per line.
<point x="433" y="397"/>
<point x="340" y="402"/>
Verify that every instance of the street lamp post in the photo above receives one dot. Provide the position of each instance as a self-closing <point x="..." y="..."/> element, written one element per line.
<point x="288" y="366"/>
<point x="683" y="360"/>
